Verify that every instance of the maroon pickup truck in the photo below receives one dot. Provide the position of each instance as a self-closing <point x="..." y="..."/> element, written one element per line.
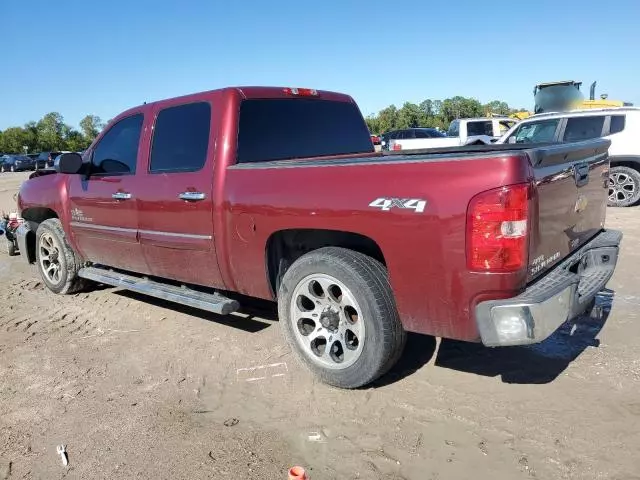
<point x="277" y="193"/>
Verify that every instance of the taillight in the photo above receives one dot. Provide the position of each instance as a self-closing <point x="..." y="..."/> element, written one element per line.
<point x="396" y="146"/>
<point x="302" y="92"/>
<point x="498" y="228"/>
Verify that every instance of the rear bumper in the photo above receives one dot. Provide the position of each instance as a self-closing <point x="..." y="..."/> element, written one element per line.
<point x="561" y="295"/>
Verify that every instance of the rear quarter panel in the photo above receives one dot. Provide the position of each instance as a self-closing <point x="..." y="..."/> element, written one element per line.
<point x="424" y="252"/>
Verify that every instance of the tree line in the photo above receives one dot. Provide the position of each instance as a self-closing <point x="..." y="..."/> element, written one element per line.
<point x="434" y="113"/>
<point x="50" y="134"/>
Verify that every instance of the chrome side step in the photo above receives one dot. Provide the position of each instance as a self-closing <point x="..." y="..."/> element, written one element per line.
<point x="211" y="302"/>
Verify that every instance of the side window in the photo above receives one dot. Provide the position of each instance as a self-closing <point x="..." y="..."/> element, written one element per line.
<point x="535" y="132"/>
<point x="117" y="151"/>
<point x="479" y="128"/>
<point x="617" y="124"/>
<point x="583" y="128"/>
<point x="181" y="138"/>
<point x="422" y="134"/>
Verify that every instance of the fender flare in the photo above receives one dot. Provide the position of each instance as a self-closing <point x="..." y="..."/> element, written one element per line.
<point x="632" y="161"/>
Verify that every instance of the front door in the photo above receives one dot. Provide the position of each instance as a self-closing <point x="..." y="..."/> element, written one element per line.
<point x="175" y="196"/>
<point x="103" y="210"/>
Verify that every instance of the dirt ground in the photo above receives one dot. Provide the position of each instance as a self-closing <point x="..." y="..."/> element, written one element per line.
<point x="137" y="388"/>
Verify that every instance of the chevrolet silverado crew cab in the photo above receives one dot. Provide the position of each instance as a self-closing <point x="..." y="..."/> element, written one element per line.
<point x="277" y="193"/>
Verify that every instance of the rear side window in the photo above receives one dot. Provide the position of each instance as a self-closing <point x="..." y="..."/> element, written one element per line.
<point x="286" y="128"/>
<point x="583" y="128"/>
<point x="617" y="124"/>
<point x="117" y="151"/>
<point x="479" y="128"/>
<point x="181" y="138"/>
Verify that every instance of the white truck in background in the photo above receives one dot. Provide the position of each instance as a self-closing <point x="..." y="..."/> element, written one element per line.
<point x="463" y="131"/>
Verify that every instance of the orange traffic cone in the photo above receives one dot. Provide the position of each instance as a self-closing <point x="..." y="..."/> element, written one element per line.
<point x="297" y="473"/>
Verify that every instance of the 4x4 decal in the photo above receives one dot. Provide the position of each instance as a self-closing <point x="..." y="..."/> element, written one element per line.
<point x="387" y="203"/>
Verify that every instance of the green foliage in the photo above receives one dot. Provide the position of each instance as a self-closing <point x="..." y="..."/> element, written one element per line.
<point x="434" y="113"/>
<point x="50" y="133"/>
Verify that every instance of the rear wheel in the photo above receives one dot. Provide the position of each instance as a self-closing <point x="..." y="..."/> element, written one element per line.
<point x="338" y="313"/>
<point x="624" y="186"/>
<point x="57" y="262"/>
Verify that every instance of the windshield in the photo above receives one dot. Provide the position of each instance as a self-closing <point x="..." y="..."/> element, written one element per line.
<point x="556" y="98"/>
<point x="543" y="131"/>
<point x="280" y="129"/>
<point x="454" y="129"/>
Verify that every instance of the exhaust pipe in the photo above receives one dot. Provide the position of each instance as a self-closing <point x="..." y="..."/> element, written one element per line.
<point x="592" y="91"/>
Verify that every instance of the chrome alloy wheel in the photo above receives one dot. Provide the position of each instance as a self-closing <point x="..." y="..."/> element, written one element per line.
<point x="50" y="258"/>
<point x="327" y="321"/>
<point x="621" y="187"/>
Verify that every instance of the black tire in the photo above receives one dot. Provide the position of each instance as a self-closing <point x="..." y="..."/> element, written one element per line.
<point x="626" y="193"/>
<point x="69" y="263"/>
<point x="368" y="282"/>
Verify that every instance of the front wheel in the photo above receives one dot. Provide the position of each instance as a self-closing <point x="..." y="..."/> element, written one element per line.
<point x="337" y="311"/>
<point x="57" y="262"/>
<point x="624" y="186"/>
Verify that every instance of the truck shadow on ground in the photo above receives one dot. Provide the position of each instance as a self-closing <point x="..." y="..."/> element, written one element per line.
<point x="254" y="315"/>
<point x="533" y="364"/>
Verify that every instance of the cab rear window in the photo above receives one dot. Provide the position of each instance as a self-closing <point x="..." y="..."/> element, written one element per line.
<point x="283" y="128"/>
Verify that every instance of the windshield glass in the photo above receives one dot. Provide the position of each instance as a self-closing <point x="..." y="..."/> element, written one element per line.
<point x="454" y="129"/>
<point x="556" y="98"/>
<point x="536" y="132"/>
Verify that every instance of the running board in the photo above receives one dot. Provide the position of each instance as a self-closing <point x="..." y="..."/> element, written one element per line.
<point x="211" y="302"/>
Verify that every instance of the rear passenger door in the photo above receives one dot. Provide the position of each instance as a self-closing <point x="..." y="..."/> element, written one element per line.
<point x="176" y="196"/>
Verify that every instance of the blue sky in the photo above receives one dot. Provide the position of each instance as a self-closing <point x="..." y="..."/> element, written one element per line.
<point x="103" y="56"/>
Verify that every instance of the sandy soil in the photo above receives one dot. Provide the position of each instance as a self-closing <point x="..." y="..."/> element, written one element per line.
<point x="137" y="388"/>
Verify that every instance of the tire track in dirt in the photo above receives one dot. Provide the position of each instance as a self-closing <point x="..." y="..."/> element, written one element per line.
<point x="29" y="308"/>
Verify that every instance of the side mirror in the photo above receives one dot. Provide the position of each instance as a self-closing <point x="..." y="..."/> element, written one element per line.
<point x="70" y="163"/>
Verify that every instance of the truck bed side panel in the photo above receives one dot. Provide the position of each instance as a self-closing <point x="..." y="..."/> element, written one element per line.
<point x="424" y="252"/>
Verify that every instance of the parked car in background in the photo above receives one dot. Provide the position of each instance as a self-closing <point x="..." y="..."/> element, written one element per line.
<point x="415" y="138"/>
<point x="465" y="131"/>
<point x="46" y="159"/>
<point x="620" y="125"/>
<point x="479" y="130"/>
<point x="231" y="194"/>
<point x="16" y="163"/>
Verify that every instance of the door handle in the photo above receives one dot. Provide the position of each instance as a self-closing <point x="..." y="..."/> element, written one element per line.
<point x="192" y="196"/>
<point x="121" y="196"/>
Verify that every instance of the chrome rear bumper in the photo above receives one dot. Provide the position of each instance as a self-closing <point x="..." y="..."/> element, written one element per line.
<point x="562" y="294"/>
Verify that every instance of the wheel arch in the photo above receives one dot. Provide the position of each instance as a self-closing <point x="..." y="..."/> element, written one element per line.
<point x="35" y="216"/>
<point x="631" y="161"/>
<point x="284" y="247"/>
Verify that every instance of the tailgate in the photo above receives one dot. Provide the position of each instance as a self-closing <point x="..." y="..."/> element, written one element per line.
<point x="572" y="185"/>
